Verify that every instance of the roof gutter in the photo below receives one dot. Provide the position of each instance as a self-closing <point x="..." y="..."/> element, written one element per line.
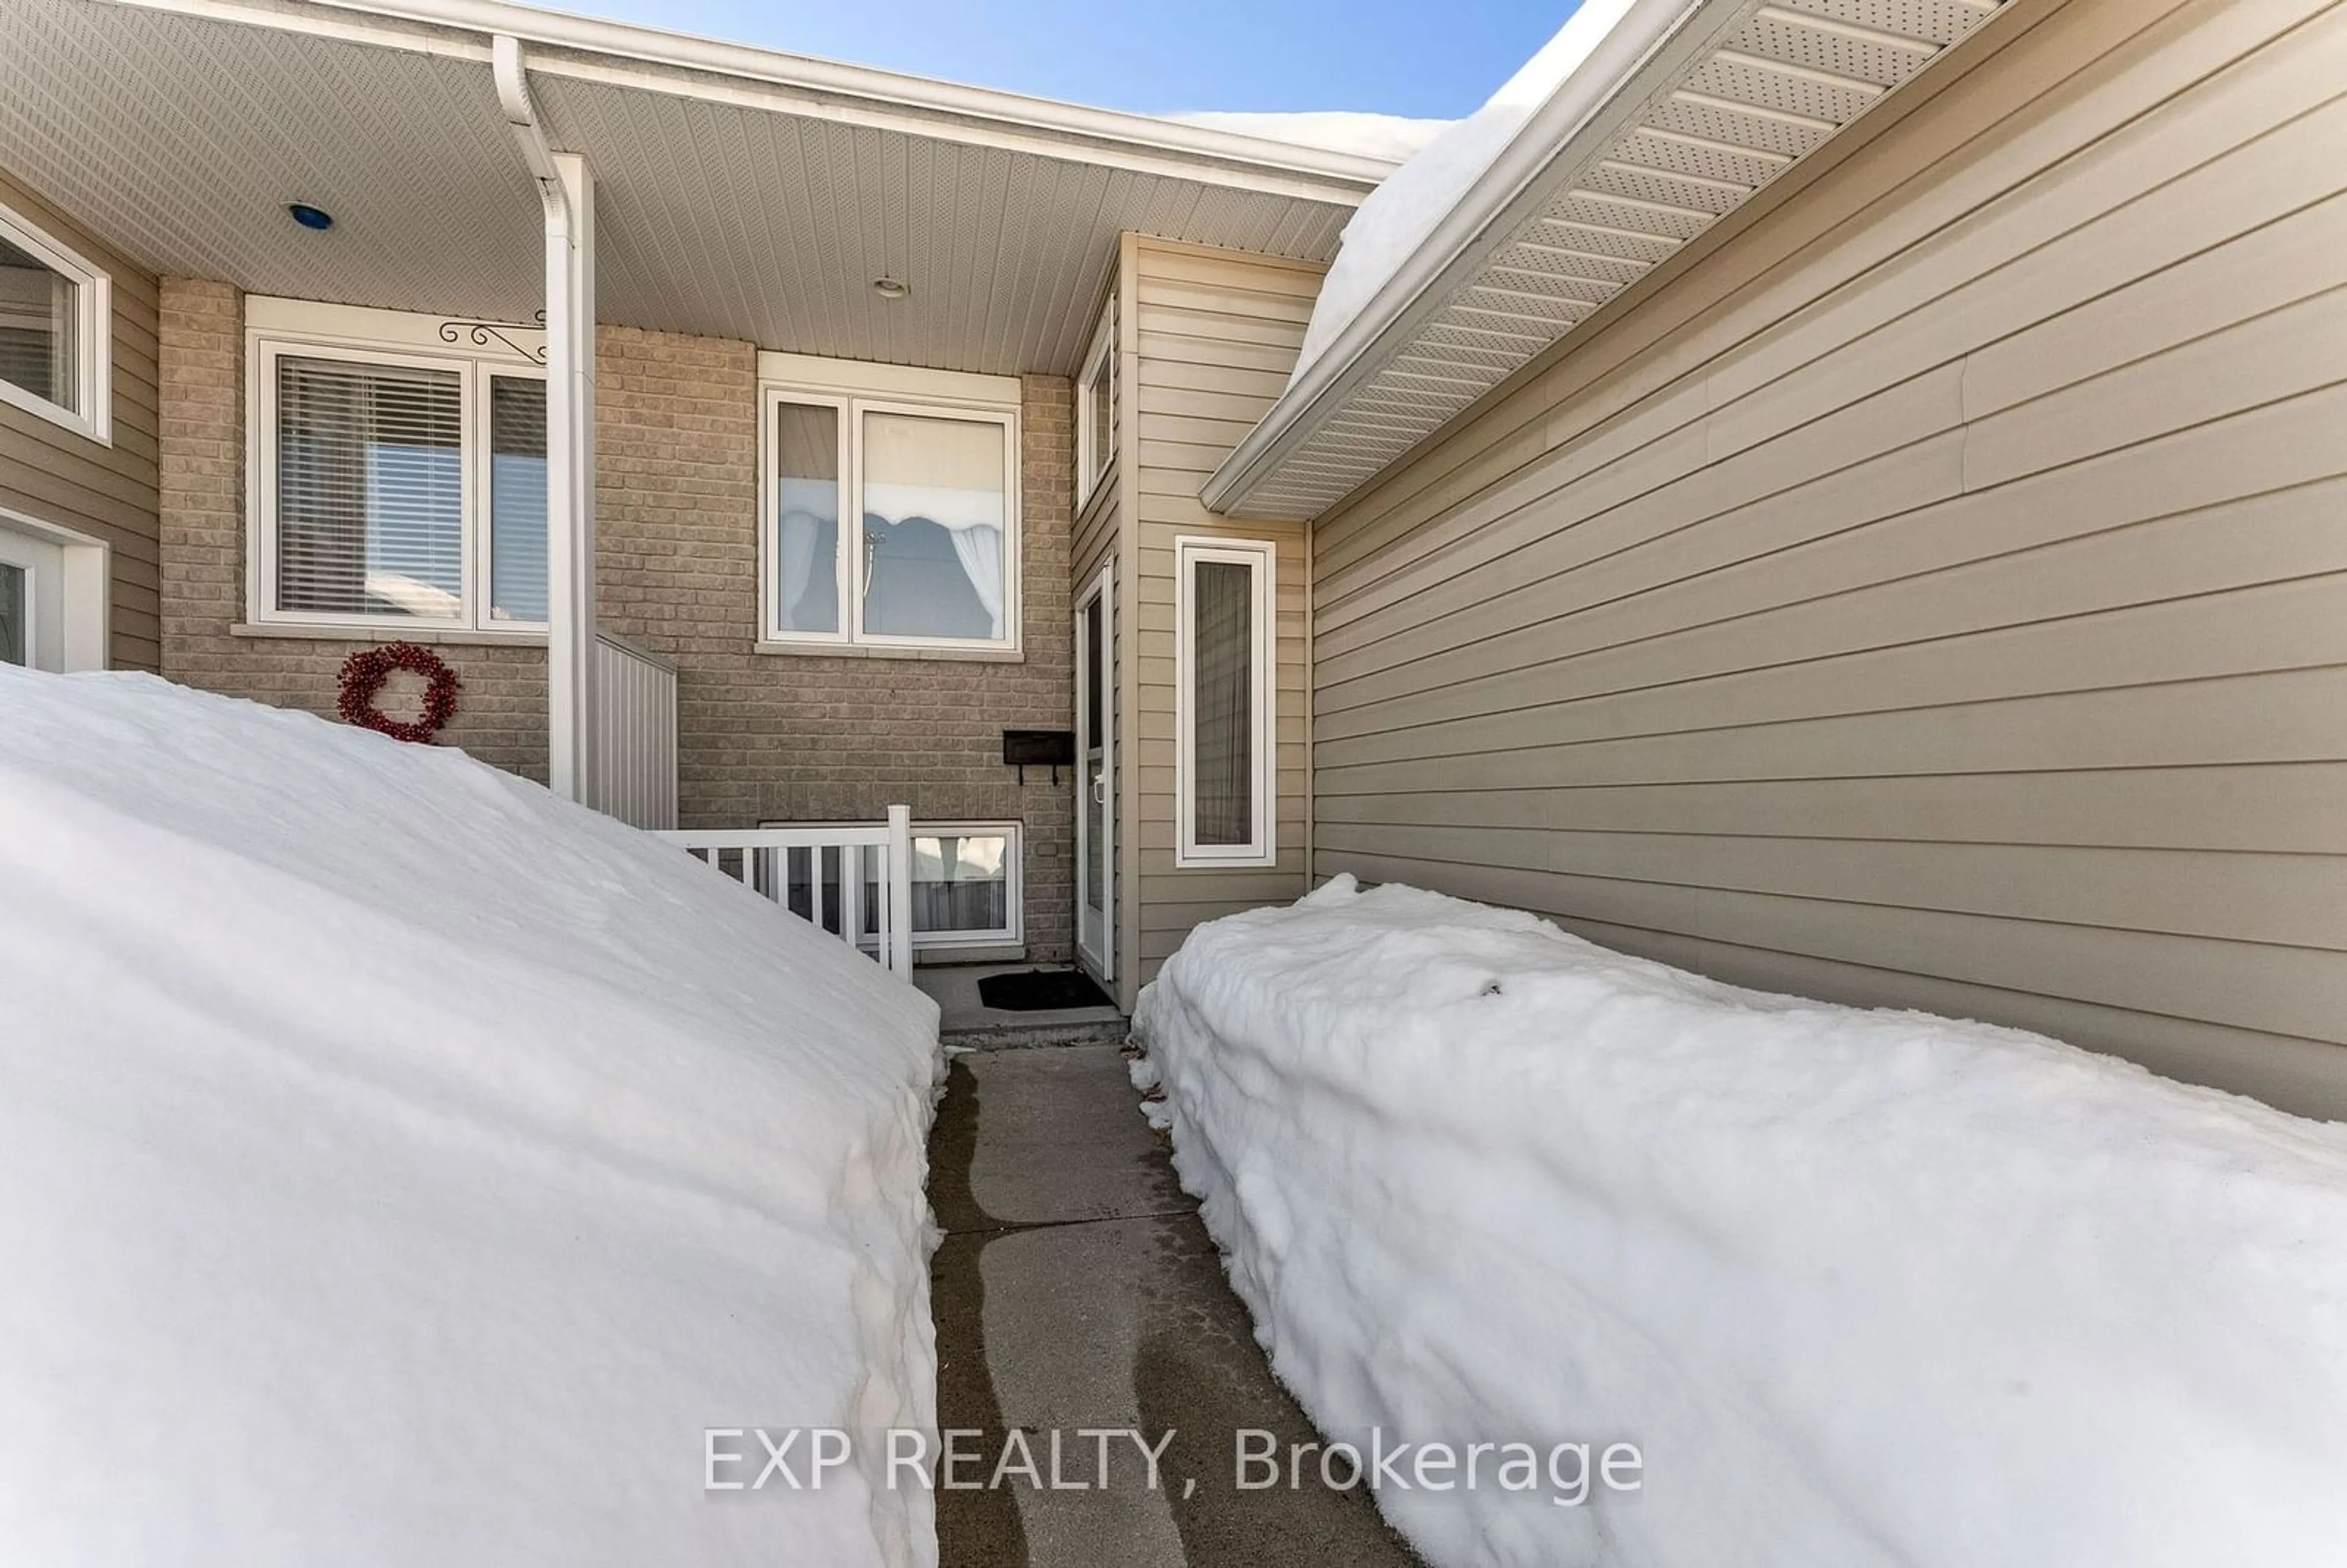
<point x="1043" y="125"/>
<point x="1461" y="243"/>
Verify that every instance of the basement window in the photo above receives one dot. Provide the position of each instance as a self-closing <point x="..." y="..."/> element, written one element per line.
<point x="396" y="488"/>
<point x="1223" y="720"/>
<point x="891" y="510"/>
<point x="966" y="888"/>
<point x="56" y="317"/>
<point x="965" y="884"/>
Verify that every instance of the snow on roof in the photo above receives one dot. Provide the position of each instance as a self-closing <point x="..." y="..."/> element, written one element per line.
<point x="1395" y="138"/>
<point x="409" y="1165"/>
<point x="1401" y="214"/>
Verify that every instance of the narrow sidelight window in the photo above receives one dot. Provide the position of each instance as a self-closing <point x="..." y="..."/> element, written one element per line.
<point x="1223" y="736"/>
<point x="1096" y="410"/>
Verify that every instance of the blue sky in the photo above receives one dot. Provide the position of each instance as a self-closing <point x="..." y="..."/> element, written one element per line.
<point x="1436" y="58"/>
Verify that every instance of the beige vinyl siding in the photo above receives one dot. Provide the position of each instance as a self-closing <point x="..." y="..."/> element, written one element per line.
<point x="1934" y="593"/>
<point x="1212" y="338"/>
<point x="105" y="490"/>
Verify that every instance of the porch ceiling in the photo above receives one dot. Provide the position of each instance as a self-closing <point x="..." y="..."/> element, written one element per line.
<point x="755" y="202"/>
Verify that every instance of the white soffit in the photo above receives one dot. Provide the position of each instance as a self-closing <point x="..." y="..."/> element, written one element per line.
<point x="756" y="202"/>
<point x="1739" y="92"/>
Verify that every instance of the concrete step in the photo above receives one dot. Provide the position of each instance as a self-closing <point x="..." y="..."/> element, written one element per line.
<point x="1019" y="1036"/>
<point x="966" y="1023"/>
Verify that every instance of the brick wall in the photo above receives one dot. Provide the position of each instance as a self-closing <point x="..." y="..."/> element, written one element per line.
<point x="501" y="718"/>
<point x="760" y="735"/>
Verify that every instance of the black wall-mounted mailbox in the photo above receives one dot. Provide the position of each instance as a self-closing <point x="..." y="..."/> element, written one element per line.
<point x="1053" y="749"/>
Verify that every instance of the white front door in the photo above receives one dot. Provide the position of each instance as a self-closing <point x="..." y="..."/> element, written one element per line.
<point x="32" y="602"/>
<point x="1096" y="777"/>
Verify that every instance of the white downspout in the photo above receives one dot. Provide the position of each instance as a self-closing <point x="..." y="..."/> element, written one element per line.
<point x="567" y="193"/>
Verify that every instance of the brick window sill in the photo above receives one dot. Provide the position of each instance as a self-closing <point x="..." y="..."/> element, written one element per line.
<point x="432" y="637"/>
<point x="866" y="650"/>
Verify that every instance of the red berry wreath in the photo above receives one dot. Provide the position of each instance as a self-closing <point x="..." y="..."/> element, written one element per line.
<point x="364" y="674"/>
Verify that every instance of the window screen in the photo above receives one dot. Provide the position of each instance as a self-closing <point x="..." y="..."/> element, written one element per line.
<point x="1221" y="672"/>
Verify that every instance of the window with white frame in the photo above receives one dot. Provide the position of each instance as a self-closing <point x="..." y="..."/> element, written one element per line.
<point x="965" y="886"/>
<point x="891" y="509"/>
<point x="55" y="325"/>
<point x="1096" y="409"/>
<point x="392" y="483"/>
<point x="1223" y="716"/>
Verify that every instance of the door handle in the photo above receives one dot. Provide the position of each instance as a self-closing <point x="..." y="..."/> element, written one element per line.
<point x="1100" y="789"/>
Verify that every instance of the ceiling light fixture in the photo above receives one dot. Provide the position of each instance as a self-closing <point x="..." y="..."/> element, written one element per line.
<point x="891" y="288"/>
<point x="311" y="216"/>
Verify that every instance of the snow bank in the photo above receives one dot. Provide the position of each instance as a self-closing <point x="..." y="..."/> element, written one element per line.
<point x="1863" y="1287"/>
<point x="1401" y="214"/>
<point x="1386" y="136"/>
<point x="400" y="1166"/>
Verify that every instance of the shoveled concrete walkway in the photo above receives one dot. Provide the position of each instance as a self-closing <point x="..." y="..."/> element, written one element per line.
<point x="1076" y="1288"/>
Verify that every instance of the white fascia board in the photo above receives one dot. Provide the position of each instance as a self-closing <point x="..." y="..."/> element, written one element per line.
<point x="623" y="54"/>
<point x="813" y="372"/>
<point x="1480" y="219"/>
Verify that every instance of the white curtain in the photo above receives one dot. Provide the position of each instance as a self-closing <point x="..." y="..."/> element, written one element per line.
<point x="973" y="517"/>
<point x="980" y="551"/>
<point x="807" y="505"/>
<point x="954" y="474"/>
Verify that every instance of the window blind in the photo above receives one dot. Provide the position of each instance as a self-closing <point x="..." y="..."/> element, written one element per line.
<point x="370" y="489"/>
<point x="1222" y="790"/>
<point x="37" y="310"/>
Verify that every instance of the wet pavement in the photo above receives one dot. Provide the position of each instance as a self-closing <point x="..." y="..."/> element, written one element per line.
<point x="1076" y="1292"/>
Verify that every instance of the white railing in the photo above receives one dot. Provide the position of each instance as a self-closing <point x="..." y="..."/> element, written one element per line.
<point x="855" y="881"/>
<point x="635" y="763"/>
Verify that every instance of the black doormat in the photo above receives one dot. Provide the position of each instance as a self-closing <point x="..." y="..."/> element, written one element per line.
<point x="1041" y="990"/>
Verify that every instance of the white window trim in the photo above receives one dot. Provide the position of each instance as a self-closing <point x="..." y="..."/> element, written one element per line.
<point x="88" y="588"/>
<point x="771" y="398"/>
<point x="1096" y="448"/>
<point x="1014" y="860"/>
<point x="306" y="330"/>
<point x="856" y="389"/>
<point x="1014" y="933"/>
<point x="92" y="414"/>
<point x="1263" y="849"/>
